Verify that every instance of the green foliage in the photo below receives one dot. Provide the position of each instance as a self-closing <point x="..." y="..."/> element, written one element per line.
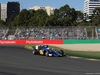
<point x="2" y="23"/>
<point x="97" y="11"/>
<point x="12" y="17"/>
<point x="80" y="15"/>
<point x="96" y="16"/>
<point x="31" y="18"/>
<point x="53" y="19"/>
<point x="16" y="20"/>
<point x="64" y="16"/>
<point x="39" y="19"/>
<point x="96" y="20"/>
<point x="23" y="17"/>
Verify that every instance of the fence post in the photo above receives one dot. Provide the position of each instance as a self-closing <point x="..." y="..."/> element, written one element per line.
<point x="96" y="32"/>
<point x="33" y="32"/>
<point x="48" y="34"/>
<point x="86" y="33"/>
<point x="92" y="34"/>
<point x="62" y="34"/>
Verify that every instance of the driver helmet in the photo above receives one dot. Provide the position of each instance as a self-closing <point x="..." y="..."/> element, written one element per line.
<point x="46" y="46"/>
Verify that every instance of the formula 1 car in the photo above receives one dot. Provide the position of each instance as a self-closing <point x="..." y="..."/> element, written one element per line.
<point x="46" y="51"/>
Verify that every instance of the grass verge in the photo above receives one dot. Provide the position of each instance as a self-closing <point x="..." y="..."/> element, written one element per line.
<point x="85" y="54"/>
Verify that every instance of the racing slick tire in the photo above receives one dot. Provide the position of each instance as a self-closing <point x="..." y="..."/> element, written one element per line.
<point x="44" y="54"/>
<point x="61" y="52"/>
<point x="35" y="52"/>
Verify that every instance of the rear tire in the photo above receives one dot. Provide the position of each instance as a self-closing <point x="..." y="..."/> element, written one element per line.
<point x="44" y="53"/>
<point x="35" y="52"/>
<point x="61" y="52"/>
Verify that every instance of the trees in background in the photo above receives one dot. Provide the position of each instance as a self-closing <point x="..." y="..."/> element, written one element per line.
<point x="2" y="23"/>
<point x="80" y="15"/>
<point x="96" y="16"/>
<point x="67" y="15"/>
<point x="40" y="18"/>
<point x="22" y="19"/>
<point x="94" y="19"/>
<point x="31" y="18"/>
<point x="64" y="16"/>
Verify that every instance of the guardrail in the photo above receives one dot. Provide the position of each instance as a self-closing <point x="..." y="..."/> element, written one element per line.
<point x="81" y="41"/>
<point x="31" y="41"/>
<point x="49" y="41"/>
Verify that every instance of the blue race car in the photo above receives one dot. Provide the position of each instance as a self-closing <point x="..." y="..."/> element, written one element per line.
<point x="46" y="51"/>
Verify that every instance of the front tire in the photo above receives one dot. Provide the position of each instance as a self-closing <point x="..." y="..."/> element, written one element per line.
<point x="61" y="52"/>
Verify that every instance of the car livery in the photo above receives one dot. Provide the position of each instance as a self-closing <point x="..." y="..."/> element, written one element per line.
<point x="46" y="51"/>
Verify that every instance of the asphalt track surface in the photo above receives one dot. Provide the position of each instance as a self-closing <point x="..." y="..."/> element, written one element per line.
<point x="15" y="60"/>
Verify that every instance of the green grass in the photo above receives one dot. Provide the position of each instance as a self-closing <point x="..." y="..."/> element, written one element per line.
<point x="79" y="53"/>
